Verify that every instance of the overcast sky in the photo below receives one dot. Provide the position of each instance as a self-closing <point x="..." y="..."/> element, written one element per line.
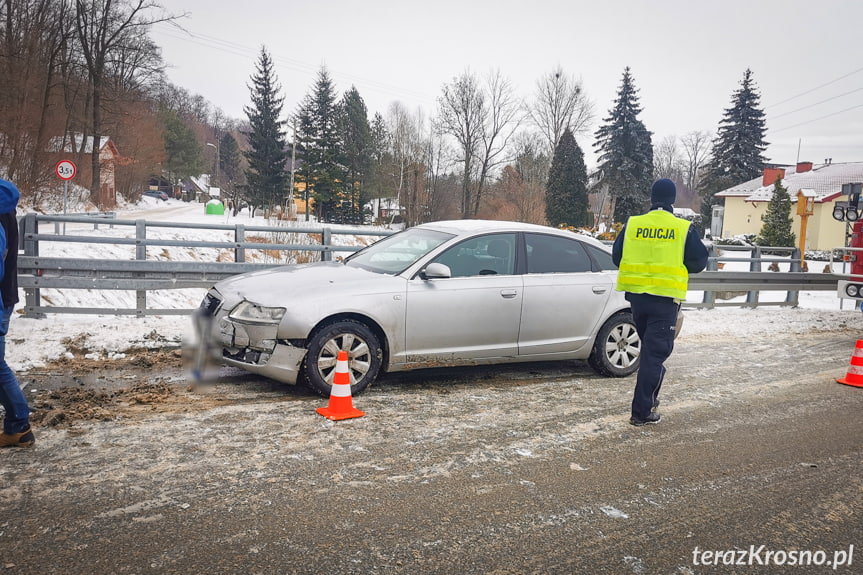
<point x="687" y="57"/>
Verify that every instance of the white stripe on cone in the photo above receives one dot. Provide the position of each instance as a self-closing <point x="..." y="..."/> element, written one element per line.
<point x="341" y="389"/>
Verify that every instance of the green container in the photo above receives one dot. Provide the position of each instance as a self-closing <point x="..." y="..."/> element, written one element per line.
<point x="215" y="208"/>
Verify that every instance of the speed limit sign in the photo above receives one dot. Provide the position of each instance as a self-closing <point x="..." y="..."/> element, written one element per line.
<point x="66" y="169"/>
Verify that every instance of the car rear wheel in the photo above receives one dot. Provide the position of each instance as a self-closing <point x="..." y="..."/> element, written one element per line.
<point x="364" y="356"/>
<point x="617" y="348"/>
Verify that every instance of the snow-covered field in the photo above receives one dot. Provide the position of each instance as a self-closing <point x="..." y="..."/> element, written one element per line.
<point x="33" y="342"/>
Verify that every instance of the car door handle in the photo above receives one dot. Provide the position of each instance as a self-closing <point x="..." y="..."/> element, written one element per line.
<point x="508" y="293"/>
<point x="599" y="289"/>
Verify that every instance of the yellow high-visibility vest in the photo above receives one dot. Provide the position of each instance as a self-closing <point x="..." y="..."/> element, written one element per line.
<point x="652" y="260"/>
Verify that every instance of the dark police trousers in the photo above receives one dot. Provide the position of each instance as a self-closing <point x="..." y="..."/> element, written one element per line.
<point x="655" y="320"/>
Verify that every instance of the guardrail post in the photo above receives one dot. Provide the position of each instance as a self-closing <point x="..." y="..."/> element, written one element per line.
<point x="140" y="254"/>
<point x="28" y="229"/>
<point x="709" y="299"/>
<point x="755" y="259"/>
<point x="239" y="238"/>
<point x="754" y="266"/>
<point x="793" y="297"/>
<point x="327" y="242"/>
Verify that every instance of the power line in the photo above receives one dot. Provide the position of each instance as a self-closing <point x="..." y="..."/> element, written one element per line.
<point x="817" y="119"/>
<point x="816" y="103"/>
<point x="858" y="70"/>
<point x="285" y="62"/>
<point x="809" y="91"/>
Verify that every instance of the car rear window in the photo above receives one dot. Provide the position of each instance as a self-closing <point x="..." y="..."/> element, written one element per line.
<point x="601" y="258"/>
<point x="552" y="254"/>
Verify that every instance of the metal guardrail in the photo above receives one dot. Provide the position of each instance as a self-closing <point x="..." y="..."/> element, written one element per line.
<point x="716" y="284"/>
<point x="749" y="283"/>
<point x="141" y="275"/>
<point x="95" y="216"/>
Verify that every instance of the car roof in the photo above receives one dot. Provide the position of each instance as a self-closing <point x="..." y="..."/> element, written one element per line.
<point x="461" y="227"/>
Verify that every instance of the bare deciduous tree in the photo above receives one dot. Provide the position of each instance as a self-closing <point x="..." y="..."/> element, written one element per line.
<point x="34" y="49"/>
<point x="696" y="148"/>
<point x="560" y="103"/>
<point x="482" y="119"/>
<point x="501" y="122"/>
<point x="437" y="154"/>
<point x="462" y="111"/>
<point x="531" y="165"/>
<point x="408" y="151"/>
<point x="105" y="29"/>
<point x="667" y="161"/>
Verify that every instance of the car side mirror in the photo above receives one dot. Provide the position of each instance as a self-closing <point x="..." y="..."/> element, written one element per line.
<point x="435" y="271"/>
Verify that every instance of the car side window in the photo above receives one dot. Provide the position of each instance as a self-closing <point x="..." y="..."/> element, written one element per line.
<point x="601" y="258"/>
<point x="493" y="254"/>
<point x="551" y="254"/>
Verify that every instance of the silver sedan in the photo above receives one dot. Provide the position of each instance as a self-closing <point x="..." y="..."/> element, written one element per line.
<point x="463" y="292"/>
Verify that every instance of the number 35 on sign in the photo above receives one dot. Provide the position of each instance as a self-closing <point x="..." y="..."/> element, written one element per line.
<point x="66" y="169"/>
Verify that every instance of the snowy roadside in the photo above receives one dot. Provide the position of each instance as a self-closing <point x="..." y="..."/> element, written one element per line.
<point x="31" y="343"/>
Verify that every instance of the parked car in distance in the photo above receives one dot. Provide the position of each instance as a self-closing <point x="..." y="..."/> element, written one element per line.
<point x="158" y="194"/>
<point x="463" y="292"/>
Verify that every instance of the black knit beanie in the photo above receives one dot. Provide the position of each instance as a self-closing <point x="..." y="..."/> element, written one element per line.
<point x="663" y="192"/>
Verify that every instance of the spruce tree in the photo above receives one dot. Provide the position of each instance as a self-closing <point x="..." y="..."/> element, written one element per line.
<point x="378" y="183"/>
<point x="625" y="153"/>
<point x="738" y="148"/>
<point x="266" y="174"/>
<point x="230" y="170"/>
<point x="320" y="148"/>
<point x="184" y="158"/>
<point x="776" y="231"/>
<point x="356" y="137"/>
<point x="566" y="192"/>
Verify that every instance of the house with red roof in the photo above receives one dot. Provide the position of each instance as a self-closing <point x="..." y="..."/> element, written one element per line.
<point x="747" y="202"/>
<point x="80" y="149"/>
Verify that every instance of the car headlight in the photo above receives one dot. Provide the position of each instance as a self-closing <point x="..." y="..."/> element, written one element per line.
<point x="852" y="290"/>
<point x="248" y="312"/>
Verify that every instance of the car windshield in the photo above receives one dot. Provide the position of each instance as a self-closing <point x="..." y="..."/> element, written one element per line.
<point x="395" y="253"/>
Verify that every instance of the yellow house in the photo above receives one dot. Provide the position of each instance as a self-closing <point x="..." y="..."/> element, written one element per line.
<point x="747" y="202"/>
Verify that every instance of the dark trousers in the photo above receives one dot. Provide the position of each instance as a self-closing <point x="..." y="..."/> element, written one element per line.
<point x="655" y="320"/>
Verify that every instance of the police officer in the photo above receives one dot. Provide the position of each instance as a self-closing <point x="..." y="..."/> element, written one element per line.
<point x="656" y="252"/>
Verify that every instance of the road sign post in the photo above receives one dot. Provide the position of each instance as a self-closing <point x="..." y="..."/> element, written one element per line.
<point x="65" y="170"/>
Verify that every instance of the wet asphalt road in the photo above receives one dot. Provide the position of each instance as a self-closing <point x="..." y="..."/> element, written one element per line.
<point x="528" y="469"/>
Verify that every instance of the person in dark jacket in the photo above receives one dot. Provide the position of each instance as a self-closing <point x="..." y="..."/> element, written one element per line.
<point x="655" y="253"/>
<point x="16" y="424"/>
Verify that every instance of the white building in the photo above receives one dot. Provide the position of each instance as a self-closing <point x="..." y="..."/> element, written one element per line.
<point x="747" y="202"/>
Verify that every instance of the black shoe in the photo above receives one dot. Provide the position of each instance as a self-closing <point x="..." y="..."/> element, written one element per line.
<point x="651" y="419"/>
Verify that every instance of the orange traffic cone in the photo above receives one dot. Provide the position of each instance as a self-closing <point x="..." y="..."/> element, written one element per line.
<point x="341" y="405"/>
<point x="855" y="370"/>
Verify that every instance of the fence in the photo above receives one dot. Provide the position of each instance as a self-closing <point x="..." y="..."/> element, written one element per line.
<point x="141" y="275"/>
<point x="731" y="283"/>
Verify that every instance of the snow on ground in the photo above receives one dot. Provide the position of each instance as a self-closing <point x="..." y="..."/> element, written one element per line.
<point x="33" y="342"/>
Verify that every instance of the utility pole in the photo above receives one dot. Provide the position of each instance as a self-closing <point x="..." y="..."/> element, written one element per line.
<point x="291" y="207"/>
<point x="216" y="179"/>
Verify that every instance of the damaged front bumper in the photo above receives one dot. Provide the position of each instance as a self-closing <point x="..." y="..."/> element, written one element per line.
<point x="253" y="347"/>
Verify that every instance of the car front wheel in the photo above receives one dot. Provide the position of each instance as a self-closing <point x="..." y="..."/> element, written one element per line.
<point x="617" y="348"/>
<point x="365" y="356"/>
